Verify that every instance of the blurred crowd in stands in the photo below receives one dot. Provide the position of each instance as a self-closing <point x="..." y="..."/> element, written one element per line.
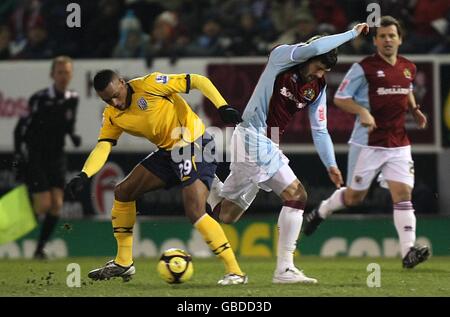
<point x="36" y="29"/>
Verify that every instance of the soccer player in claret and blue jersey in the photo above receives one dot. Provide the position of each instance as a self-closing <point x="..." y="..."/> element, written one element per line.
<point x="292" y="81"/>
<point x="379" y="91"/>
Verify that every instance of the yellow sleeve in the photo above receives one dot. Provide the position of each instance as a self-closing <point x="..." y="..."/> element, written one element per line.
<point x="109" y="131"/>
<point x="208" y="89"/>
<point x="166" y="84"/>
<point x="97" y="158"/>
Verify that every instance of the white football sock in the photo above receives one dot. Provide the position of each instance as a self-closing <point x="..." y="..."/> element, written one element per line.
<point x="216" y="187"/>
<point x="333" y="203"/>
<point x="405" y="223"/>
<point x="289" y="225"/>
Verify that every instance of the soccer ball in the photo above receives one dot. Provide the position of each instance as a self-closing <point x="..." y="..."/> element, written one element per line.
<point x="175" y="266"/>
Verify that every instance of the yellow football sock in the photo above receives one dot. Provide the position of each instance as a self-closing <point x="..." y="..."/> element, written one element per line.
<point x="123" y="219"/>
<point x="214" y="236"/>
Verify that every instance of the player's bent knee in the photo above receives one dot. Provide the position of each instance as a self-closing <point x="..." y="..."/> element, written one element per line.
<point x="300" y="195"/>
<point x="42" y="207"/>
<point x="123" y="192"/>
<point x="56" y="208"/>
<point x="351" y="200"/>
<point x="228" y="218"/>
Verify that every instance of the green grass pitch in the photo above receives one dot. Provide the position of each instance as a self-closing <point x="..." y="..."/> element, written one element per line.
<point x="337" y="277"/>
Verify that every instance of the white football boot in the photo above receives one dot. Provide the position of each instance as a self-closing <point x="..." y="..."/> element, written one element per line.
<point x="292" y="276"/>
<point x="233" y="279"/>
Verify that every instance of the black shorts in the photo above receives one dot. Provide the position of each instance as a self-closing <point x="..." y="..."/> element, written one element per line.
<point x="184" y="165"/>
<point x="45" y="171"/>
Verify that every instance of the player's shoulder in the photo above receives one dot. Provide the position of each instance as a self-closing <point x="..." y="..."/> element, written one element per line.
<point x="405" y="61"/>
<point x="41" y="93"/>
<point x="136" y="83"/>
<point x="144" y="82"/>
<point x="109" y="110"/>
<point x="369" y="60"/>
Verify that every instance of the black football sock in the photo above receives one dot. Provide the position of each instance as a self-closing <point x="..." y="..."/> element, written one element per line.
<point x="48" y="226"/>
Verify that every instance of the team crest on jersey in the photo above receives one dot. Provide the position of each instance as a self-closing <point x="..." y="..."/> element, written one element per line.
<point x="380" y="73"/>
<point x="358" y="179"/>
<point x="162" y="79"/>
<point x="407" y="73"/>
<point x="142" y="103"/>
<point x="309" y="94"/>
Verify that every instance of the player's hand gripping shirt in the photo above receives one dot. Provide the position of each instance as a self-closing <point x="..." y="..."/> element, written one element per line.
<point x="383" y="89"/>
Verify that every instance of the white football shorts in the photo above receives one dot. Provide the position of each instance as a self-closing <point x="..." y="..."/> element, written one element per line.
<point x="364" y="163"/>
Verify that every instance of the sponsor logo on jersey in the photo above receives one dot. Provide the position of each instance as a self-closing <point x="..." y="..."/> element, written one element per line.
<point x="286" y="93"/>
<point x="407" y="73"/>
<point x="321" y="112"/>
<point x="381" y="91"/>
<point x="309" y="94"/>
<point x="162" y="79"/>
<point x="380" y="73"/>
<point x="142" y="103"/>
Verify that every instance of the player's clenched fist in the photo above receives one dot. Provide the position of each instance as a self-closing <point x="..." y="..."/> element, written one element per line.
<point x="361" y="28"/>
<point x="76" y="184"/>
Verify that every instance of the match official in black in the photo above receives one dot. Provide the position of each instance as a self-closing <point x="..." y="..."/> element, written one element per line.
<point x="39" y="140"/>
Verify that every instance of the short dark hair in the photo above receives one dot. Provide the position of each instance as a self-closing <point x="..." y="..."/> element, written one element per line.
<point x="329" y="59"/>
<point x="103" y="78"/>
<point x="388" y="20"/>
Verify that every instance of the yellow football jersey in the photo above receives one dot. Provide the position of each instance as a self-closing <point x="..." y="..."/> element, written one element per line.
<point x="156" y="113"/>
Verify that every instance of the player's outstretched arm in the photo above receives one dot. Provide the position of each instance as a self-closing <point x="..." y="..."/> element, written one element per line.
<point x="227" y="113"/>
<point x="326" y="43"/>
<point x="93" y="164"/>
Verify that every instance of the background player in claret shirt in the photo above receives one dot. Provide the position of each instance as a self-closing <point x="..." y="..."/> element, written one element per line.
<point x="39" y="140"/>
<point x="379" y="91"/>
<point x="293" y="79"/>
<point x="151" y="107"/>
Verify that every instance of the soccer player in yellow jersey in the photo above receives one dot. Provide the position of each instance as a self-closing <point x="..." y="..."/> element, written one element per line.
<point x="151" y="107"/>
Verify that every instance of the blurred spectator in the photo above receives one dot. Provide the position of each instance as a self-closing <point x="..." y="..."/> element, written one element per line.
<point x="6" y="7"/>
<point x="245" y="39"/>
<point x="303" y="29"/>
<point x="164" y="38"/>
<point x="282" y="14"/>
<point x="173" y="28"/>
<point x="102" y="32"/>
<point x="329" y="11"/>
<point x="326" y="29"/>
<point x="402" y="10"/>
<point x="424" y="37"/>
<point x="133" y="41"/>
<point x="210" y="42"/>
<point x="25" y="14"/>
<point x="442" y="26"/>
<point x="146" y="11"/>
<point x="37" y="46"/>
<point x="69" y="39"/>
<point x="5" y="36"/>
